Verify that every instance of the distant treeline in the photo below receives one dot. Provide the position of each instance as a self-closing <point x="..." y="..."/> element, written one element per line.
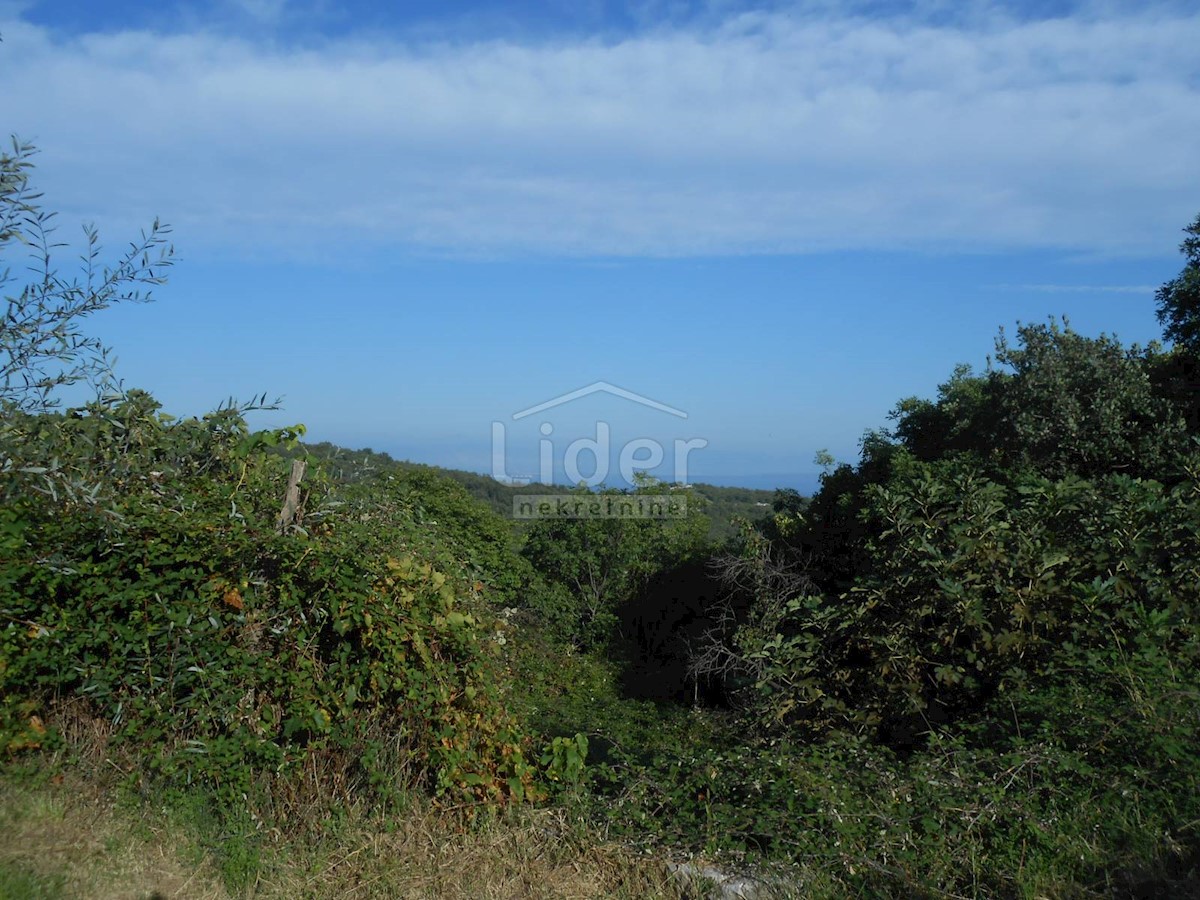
<point x="722" y="505"/>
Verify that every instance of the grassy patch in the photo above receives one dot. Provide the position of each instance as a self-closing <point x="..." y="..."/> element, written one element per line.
<point x="82" y="836"/>
<point x="69" y="837"/>
<point x="17" y="883"/>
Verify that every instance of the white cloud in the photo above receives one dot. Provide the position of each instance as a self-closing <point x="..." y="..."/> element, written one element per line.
<point x="765" y="132"/>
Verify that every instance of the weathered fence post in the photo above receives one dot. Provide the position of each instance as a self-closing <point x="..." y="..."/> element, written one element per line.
<point x="291" y="502"/>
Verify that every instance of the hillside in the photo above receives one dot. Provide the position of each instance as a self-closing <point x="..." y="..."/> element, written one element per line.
<point x="722" y="505"/>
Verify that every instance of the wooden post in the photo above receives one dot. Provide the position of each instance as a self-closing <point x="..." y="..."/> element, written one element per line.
<point x="291" y="502"/>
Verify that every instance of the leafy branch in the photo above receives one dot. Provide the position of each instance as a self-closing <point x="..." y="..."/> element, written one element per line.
<point x="41" y="345"/>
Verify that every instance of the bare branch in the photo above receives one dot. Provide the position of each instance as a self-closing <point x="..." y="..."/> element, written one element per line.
<point x="758" y="580"/>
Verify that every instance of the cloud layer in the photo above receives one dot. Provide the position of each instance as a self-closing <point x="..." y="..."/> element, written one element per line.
<point x="788" y="131"/>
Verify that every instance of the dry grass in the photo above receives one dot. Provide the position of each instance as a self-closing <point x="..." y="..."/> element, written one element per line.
<point x="430" y="853"/>
<point x="71" y="838"/>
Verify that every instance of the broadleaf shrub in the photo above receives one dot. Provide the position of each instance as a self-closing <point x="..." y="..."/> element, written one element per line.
<point x="977" y="586"/>
<point x="144" y="575"/>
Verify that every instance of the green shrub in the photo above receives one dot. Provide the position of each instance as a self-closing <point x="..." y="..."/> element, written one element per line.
<point x="977" y="585"/>
<point x="1083" y="785"/>
<point x="591" y="566"/>
<point x="144" y="574"/>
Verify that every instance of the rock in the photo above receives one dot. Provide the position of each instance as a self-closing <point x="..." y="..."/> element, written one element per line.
<point x="724" y="886"/>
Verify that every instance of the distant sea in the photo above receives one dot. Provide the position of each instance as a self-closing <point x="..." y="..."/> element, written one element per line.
<point x="804" y="482"/>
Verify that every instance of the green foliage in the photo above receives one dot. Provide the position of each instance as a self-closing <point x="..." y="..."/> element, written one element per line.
<point x="1004" y="593"/>
<point x="1082" y="780"/>
<point x="1176" y="378"/>
<point x="722" y="505"/>
<point x="726" y="506"/>
<point x="976" y="586"/>
<point x="564" y="759"/>
<point x="1057" y="404"/>
<point x="1179" y="299"/>
<point x="146" y="578"/>
<point x="92" y="458"/>
<point x="597" y="564"/>
<point x="18" y="884"/>
<point x="1084" y="406"/>
<point x="1089" y="788"/>
<point x="828" y="531"/>
<point x="964" y="417"/>
<point x="446" y="517"/>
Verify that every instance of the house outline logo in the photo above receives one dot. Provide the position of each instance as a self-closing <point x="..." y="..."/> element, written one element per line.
<point x="599" y="387"/>
<point x="642" y="454"/>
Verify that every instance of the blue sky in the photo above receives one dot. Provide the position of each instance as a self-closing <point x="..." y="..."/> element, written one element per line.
<point x="413" y="220"/>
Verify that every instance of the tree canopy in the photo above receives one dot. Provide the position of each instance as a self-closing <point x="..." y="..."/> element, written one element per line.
<point x="1179" y="299"/>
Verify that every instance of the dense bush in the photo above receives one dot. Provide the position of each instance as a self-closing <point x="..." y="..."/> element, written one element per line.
<point x="146" y="582"/>
<point x="592" y="566"/>
<point x="970" y="664"/>
<point x="977" y="585"/>
<point x="1085" y="786"/>
<point x="456" y="528"/>
<point x="1054" y="403"/>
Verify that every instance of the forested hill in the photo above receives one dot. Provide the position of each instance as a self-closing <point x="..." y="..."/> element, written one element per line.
<point x="721" y="504"/>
